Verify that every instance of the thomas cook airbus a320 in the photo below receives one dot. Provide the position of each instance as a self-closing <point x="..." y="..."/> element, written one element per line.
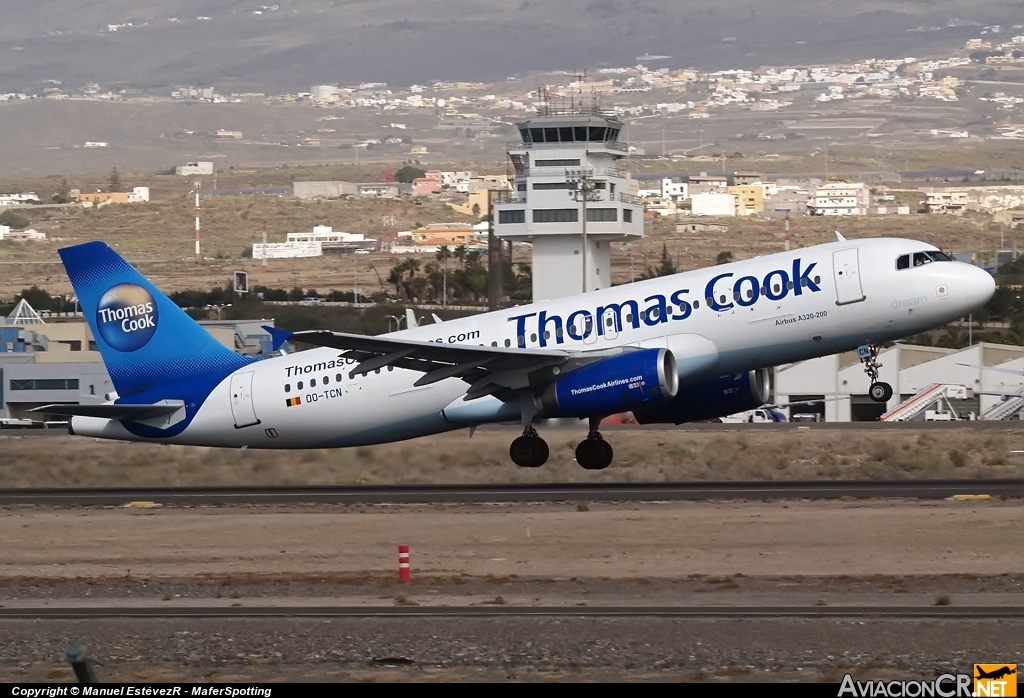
<point x="680" y="348"/>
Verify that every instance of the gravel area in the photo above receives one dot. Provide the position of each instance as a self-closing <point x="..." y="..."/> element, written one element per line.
<point x="897" y="552"/>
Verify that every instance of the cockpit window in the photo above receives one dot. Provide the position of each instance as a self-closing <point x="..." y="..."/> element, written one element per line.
<point x="921" y="258"/>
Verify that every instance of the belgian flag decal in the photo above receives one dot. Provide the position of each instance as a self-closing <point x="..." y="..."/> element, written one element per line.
<point x="293" y="401"/>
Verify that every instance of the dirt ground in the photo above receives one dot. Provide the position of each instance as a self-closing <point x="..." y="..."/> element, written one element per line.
<point x="706" y="553"/>
<point x="711" y="452"/>
<point x="775" y="553"/>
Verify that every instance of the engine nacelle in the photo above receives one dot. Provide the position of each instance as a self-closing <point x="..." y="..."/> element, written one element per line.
<point x="616" y="384"/>
<point x="718" y="397"/>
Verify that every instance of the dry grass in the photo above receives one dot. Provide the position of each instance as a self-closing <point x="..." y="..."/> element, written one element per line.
<point x="640" y="455"/>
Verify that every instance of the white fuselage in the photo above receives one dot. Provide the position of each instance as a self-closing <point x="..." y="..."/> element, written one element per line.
<point x="765" y="311"/>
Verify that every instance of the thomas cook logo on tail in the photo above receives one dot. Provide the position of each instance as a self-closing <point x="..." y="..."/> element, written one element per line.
<point x="127" y="317"/>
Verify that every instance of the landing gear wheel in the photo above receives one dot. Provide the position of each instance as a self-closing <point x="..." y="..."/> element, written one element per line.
<point x="529" y="451"/>
<point x="880" y="392"/>
<point x="595" y="453"/>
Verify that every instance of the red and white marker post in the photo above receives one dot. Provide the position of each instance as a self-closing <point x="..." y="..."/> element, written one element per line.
<point x="403" y="563"/>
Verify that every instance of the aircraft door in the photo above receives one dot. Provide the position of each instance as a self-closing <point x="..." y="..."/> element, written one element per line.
<point x="846" y="270"/>
<point x="609" y="328"/>
<point x="242" y="408"/>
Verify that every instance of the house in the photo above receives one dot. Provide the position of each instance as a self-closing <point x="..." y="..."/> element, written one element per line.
<point x="839" y="199"/>
<point x="194" y="168"/>
<point x="452" y="234"/>
<point x="424" y="186"/>
<point x="947" y="201"/>
<point x="713" y="204"/>
<point x="749" y="198"/>
<point x="102" y="198"/>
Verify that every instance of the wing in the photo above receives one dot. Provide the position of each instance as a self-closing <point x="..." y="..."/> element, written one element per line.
<point x="488" y="370"/>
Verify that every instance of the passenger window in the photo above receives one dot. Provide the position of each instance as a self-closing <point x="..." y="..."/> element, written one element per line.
<point x="326" y="380"/>
<point x="921" y="258"/>
<point x="299" y="386"/>
<point x="533" y="337"/>
<point x="508" y="343"/>
<point x="903" y="262"/>
<point x="696" y="304"/>
<point x="312" y="382"/>
<point x="337" y="378"/>
<point x="287" y="387"/>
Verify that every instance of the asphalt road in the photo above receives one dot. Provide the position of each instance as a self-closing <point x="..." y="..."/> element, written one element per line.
<point x="900" y="612"/>
<point x="592" y="492"/>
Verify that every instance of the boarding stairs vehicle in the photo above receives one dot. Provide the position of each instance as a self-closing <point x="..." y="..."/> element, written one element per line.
<point x="931" y="397"/>
<point x="1007" y="409"/>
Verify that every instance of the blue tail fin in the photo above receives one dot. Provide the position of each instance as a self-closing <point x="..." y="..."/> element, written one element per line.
<point x="144" y="338"/>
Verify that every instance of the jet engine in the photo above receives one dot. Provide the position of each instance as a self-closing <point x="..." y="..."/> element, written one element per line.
<point x="710" y="399"/>
<point x="620" y="383"/>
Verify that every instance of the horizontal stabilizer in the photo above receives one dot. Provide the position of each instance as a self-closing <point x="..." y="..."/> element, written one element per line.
<point x="278" y="336"/>
<point x="135" y="413"/>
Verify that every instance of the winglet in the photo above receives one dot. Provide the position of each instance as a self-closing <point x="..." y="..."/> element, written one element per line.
<point x="840" y="236"/>
<point x="278" y="335"/>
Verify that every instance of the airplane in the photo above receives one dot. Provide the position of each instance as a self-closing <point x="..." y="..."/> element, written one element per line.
<point x="995" y="673"/>
<point x="680" y="348"/>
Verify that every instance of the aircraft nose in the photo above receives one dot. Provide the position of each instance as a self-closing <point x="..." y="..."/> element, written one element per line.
<point x="978" y="287"/>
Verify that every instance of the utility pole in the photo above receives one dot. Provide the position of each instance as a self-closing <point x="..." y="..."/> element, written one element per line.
<point x="264" y="250"/>
<point x="787" y="230"/>
<point x="355" y="281"/>
<point x="196" y="188"/>
<point x="583" y="190"/>
<point x="493" y="257"/>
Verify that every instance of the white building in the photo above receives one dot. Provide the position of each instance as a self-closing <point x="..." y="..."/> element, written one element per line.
<point x="287" y="250"/>
<point x="713" y="204"/>
<point x="194" y="168"/>
<point x="840" y="199"/>
<point x="840" y="383"/>
<point x="671" y="189"/>
<point x="138" y="195"/>
<point x="325" y="233"/>
<point x="560" y="149"/>
<point x="29" y="197"/>
<point x="7" y="234"/>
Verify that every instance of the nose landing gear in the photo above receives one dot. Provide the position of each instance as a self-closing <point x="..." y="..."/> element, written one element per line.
<point x="879" y="390"/>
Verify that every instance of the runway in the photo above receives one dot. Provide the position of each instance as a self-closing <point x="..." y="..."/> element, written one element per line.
<point x="555" y="492"/>
<point x="492" y="611"/>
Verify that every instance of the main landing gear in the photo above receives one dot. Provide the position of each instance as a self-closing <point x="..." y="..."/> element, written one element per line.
<point x="879" y="391"/>
<point x="594" y="453"/>
<point x="531" y="451"/>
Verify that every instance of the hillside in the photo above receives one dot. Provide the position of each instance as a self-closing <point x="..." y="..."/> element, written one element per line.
<point x="304" y="42"/>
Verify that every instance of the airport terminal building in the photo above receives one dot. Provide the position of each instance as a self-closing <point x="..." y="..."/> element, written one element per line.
<point x="55" y="360"/>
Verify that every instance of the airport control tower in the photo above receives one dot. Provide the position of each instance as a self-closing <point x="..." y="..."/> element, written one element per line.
<point x="565" y="165"/>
